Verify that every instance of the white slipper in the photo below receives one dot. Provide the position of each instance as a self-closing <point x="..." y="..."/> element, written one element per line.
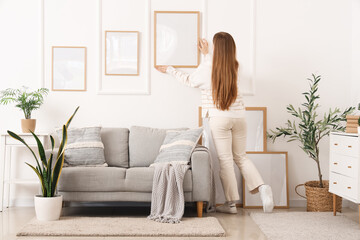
<point x="227" y="208"/>
<point x="266" y="198"/>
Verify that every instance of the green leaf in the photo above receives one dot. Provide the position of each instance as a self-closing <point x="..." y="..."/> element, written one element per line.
<point x="40" y="148"/>
<point x="52" y="142"/>
<point x="71" y="118"/>
<point x="40" y="178"/>
<point x="15" y="136"/>
<point x="59" y="162"/>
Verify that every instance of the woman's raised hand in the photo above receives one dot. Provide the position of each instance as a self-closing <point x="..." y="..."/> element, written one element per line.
<point x="203" y="46"/>
<point x="161" y="68"/>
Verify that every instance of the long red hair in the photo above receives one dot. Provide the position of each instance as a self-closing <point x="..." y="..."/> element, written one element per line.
<point x="224" y="71"/>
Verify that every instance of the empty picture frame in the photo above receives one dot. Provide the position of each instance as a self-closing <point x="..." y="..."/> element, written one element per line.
<point x="121" y="53"/>
<point x="68" y="68"/>
<point x="176" y="35"/>
<point x="256" y="118"/>
<point x="273" y="167"/>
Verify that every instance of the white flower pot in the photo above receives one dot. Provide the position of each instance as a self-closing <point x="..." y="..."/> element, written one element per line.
<point x="359" y="130"/>
<point x="48" y="208"/>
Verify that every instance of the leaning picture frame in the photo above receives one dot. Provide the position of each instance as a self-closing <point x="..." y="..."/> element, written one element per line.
<point x="256" y="119"/>
<point x="68" y="68"/>
<point x="122" y="53"/>
<point x="273" y="167"/>
<point x="176" y="36"/>
<point x="256" y="127"/>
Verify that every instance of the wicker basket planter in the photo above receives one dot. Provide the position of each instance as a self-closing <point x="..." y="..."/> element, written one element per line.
<point x="319" y="199"/>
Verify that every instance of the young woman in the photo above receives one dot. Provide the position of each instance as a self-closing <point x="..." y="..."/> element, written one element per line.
<point x="217" y="77"/>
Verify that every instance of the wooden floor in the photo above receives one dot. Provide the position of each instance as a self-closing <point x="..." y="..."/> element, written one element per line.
<point x="238" y="226"/>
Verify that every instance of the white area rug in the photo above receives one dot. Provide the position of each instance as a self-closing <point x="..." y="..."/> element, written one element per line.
<point x="306" y="225"/>
<point x="121" y="226"/>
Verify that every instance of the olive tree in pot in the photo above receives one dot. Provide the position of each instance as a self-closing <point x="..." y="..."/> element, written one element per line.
<point x="309" y="131"/>
<point x="27" y="102"/>
<point x="48" y="205"/>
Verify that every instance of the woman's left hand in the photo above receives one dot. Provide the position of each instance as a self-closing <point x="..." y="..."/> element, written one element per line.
<point x="161" y="68"/>
<point x="203" y="46"/>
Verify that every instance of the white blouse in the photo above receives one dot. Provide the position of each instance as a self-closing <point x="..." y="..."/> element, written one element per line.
<point x="201" y="79"/>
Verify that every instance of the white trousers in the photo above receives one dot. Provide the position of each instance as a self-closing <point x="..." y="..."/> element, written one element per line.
<point x="229" y="135"/>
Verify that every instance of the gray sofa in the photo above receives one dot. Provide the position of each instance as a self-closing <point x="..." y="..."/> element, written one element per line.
<point x="128" y="177"/>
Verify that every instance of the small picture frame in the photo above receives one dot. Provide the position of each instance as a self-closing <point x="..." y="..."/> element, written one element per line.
<point x="273" y="167"/>
<point x="122" y="53"/>
<point x="176" y="36"/>
<point x="68" y="68"/>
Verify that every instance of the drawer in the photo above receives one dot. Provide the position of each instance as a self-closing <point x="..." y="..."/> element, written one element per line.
<point x="344" y="165"/>
<point x="343" y="186"/>
<point x="344" y="145"/>
<point x="30" y="140"/>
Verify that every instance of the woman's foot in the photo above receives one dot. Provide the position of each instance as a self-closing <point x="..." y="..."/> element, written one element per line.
<point x="266" y="198"/>
<point x="227" y="207"/>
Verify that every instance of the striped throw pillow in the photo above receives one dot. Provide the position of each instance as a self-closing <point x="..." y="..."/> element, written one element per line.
<point x="178" y="145"/>
<point x="84" y="147"/>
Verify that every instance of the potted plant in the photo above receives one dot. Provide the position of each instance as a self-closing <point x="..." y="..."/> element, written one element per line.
<point x="309" y="131"/>
<point x="48" y="205"/>
<point x="27" y="102"/>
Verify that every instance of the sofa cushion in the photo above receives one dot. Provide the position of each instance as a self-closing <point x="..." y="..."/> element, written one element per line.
<point x="92" y="179"/>
<point x="84" y="146"/>
<point x="116" y="146"/>
<point x="140" y="179"/>
<point x="178" y="145"/>
<point x="144" y="145"/>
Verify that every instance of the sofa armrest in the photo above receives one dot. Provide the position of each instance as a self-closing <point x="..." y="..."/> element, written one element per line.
<point x="201" y="174"/>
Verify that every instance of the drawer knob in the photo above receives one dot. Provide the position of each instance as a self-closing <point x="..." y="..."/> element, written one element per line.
<point x="335" y="163"/>
<point x="349" y="187"/>
<point x="334" y="182"/>
<point x="349" y="146"/>
<point x="349" y="166"/>
<point x="336" y="144"/>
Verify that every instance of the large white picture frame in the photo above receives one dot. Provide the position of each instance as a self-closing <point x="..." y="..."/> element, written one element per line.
<point x="122" y="53"/>
<point x="68" y="68"/>
<point x="176" y="36"/>
<point x="273" y="167"/>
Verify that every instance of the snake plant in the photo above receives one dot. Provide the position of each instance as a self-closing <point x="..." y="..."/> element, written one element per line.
<point x="47" y="172"/>
<point x="310" y="130"/>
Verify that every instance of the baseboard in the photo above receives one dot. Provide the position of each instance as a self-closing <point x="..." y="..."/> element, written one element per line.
<point x="29" y="202"/>
<point x="297" y="203"/>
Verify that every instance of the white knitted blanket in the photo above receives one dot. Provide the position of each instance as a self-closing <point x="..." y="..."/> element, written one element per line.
<point x="167" y="201"/>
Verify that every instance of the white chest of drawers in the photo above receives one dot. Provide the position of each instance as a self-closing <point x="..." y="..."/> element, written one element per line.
<point x="345" y="166"/>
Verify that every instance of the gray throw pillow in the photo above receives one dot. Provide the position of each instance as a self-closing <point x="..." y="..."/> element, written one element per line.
<point x="84" y="147"/>
<point x="178" y="145"/>
<point x="144" y="144"/>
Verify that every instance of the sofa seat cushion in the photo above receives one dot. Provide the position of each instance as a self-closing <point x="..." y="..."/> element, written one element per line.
<point x="140" y="179"/>
<point x="92" y="179"/>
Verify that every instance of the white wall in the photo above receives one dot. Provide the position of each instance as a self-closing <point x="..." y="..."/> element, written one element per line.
<point x="294" y="38"/>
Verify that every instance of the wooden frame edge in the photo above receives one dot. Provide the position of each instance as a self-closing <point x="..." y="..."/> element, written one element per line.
<point x="52" y="70"/>
<point x="138" y="54"/>
<point x="287" y="183"/>
<point x="198" y="37"/>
